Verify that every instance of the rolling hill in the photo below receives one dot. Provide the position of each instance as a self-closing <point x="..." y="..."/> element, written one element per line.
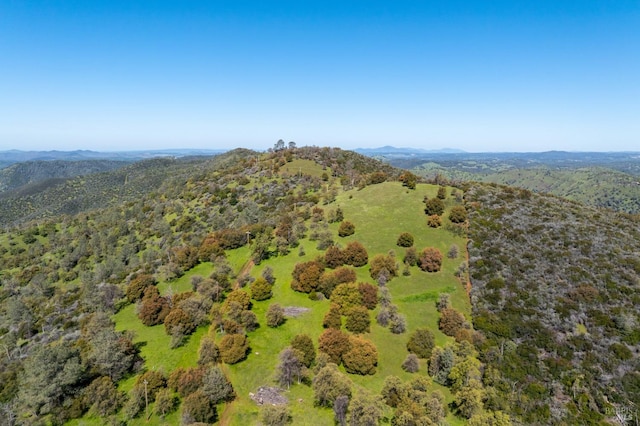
<point x="218" y="288"/>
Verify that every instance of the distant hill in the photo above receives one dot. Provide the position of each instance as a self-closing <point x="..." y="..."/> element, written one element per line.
<point x="28" y="198"/>
<point x="17" y="156"/>
<point x="30" y="172"/>
<point x="391" y="150"/>
<point x="610" y="180"/>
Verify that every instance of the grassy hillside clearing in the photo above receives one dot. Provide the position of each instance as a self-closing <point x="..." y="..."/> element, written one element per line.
<point x="380" y="213"/>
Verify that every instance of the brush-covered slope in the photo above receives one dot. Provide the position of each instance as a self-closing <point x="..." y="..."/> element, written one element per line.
<point x="555" y="290"/>
<point x="40" y="190"/>
<point x="594" y="186"/>
<point x="30" y="172"/>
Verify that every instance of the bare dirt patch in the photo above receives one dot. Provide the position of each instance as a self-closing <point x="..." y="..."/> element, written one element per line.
<point x="294" y="311"/>
<point x="268" y="396"/>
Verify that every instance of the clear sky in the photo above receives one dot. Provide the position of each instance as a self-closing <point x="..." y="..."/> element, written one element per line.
<point x="475" y="75"/>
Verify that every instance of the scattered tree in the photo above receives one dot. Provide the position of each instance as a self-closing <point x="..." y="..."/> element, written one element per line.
<point x="137" y="286"/>
<point x="275" y="315"/>
<point x="357" y="320"/>
<point x="397" y="323"/>
<point x="346" y="228"/>
<point x="340" y="407"/>
<point x="383" y="264"/>
<point x="409" y="180"/>
<point x="430" y="259"/>
<point x="410" y="257"/>
<point x="451" y="321"/>
<point x="216" y="386"/>
<point x="197" y="407"/>
<point x="434" y="221"/>
<point x="233" y="348"/>
<point x="458" y="214"/>
<point x="355" y="254"/>
<point x="365" y="409"/>
<point x="261" y="289"/>
<point x="442" y="193"/>
<point x="434" y="206"/>
<point x="304" y="344"/>
<point x="208" y="353"/>
<point x="440" y="364"/>
<point x="421" y="342"/>
<point x="275" y="415"/>
<point x="103" y="397"/>
<point x="405" y="240"/>
<point x="329" y="384"/>
<point x="369" y="294"/>
<point x="361" y="358"/>
<point x="179" y="321"/>
<point x="166" y="402"/>
<point x="346" y="296"/>
<point x="411" y="364"/>
<point x="333" y="318"/>
<point x="306" y="276"/>
<point x="154" y="308"/>
<point x="334" y="343"/>
<point x="290" y="367"/>
<point x="185" y="381"/>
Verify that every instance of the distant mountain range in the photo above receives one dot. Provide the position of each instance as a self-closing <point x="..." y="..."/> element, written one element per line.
<point x="390" y="150"/>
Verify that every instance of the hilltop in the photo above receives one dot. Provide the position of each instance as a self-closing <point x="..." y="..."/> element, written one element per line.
<point x="231" y="282"/>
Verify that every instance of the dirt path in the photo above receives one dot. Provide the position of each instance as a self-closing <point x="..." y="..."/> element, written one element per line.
<point x="246" y="268"/>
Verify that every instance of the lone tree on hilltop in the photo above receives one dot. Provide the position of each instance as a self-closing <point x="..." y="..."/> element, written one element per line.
<point x="409" y="180"/>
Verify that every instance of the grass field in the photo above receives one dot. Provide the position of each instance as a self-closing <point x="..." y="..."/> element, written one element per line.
<point x="380" y="213"/>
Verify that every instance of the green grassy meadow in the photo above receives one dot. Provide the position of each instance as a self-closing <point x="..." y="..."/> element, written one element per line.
<point x="380" y="213"/>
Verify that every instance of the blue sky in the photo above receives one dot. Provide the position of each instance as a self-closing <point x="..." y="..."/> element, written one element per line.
<point x="480" y="76"/>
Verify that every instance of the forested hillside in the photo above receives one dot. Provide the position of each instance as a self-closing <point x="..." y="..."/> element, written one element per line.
<point x="315" y="286"/>
<point x="30" y="195"/>
<point x="30" y="172"/>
